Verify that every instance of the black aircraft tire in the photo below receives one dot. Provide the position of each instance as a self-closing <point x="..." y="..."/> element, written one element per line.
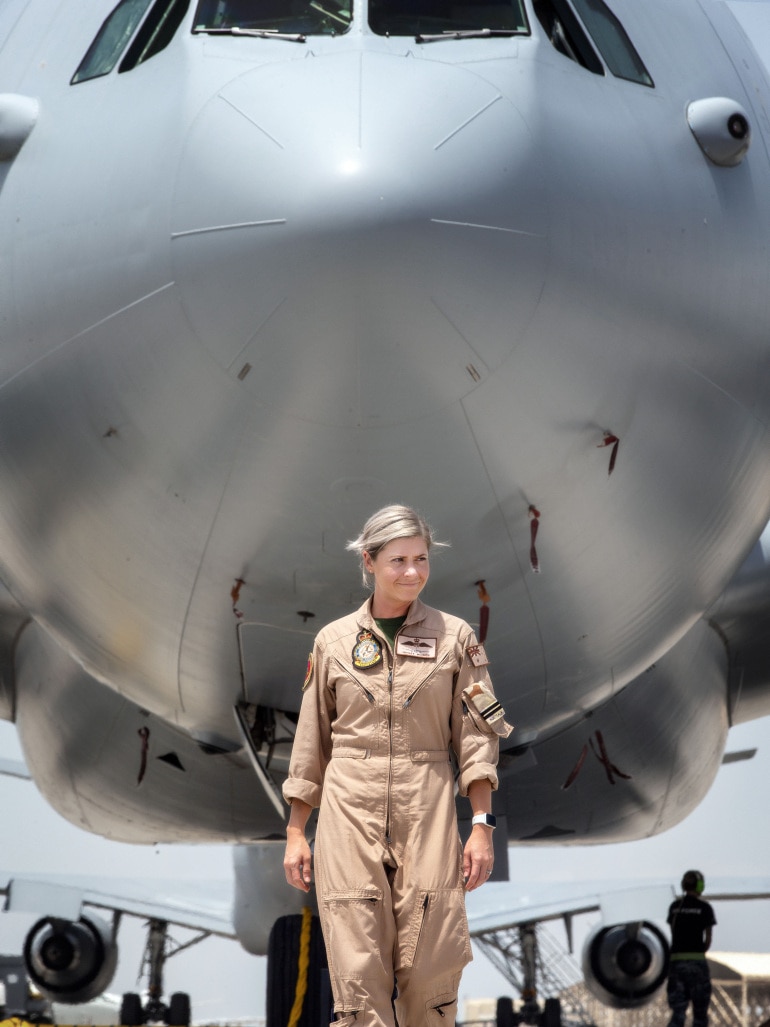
<point x="552" y="1013"/>
<point x="179" y="1010"/>
<point x="131" y="1012"/>
<point x="282" y="967"/>
<point x="504" y="1015"/>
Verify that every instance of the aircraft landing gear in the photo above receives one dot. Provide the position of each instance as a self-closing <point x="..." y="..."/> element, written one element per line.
<point x="530" y="1013"/>
<point x="177" y="1013"/>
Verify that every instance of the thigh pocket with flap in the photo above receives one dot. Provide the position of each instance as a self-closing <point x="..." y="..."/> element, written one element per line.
<point x="437" y="932"/>
<point x="355" y="931"/>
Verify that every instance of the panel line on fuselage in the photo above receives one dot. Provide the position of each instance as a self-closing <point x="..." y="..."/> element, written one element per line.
<point x="251" y="121"/>
<point x="468" y="121"/>
<point x="85" y="331"/>
<point x="228" y="228"/>
<point x="488" y="228"/>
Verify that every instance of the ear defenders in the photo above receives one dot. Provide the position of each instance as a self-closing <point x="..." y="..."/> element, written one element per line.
<point x="694" y="880"/>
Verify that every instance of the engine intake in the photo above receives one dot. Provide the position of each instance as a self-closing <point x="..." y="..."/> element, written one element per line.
<point x="70" y="961"/>
<point x="625" y="964"/>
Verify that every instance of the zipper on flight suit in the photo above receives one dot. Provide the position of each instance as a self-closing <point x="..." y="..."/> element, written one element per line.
<point x="390" y="736"/>
<point x="424" y="681"/>
<point x="422" y="923"/>
<point x="391" y="668"/>
<point x="360" y="684"/>
<point x="440" y="1009"/>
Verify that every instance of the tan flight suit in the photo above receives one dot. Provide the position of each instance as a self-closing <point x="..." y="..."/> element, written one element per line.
<point x="372" y="749"/>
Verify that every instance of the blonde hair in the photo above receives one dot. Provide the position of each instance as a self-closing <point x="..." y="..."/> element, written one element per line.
<point x="386" y="525"/>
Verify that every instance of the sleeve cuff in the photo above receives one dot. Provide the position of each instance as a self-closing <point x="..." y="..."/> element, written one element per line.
<point x="478" y="772"/>
<point x="307" y="791"/>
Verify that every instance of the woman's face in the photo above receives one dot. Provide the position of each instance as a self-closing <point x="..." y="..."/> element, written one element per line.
<point x="400" y="571"/>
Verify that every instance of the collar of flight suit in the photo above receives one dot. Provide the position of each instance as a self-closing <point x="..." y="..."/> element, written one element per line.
<point x="416" y="614"/>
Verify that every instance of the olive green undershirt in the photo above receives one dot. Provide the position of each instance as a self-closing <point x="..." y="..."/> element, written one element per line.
<point x="389" y="627"/>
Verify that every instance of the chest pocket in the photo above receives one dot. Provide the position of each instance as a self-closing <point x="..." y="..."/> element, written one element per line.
<point x="357" y="716"/>
<point x="431" y="674"/>
<point x="427" y="709"/>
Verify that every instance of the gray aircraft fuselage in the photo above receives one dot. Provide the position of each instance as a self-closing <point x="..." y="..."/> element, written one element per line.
<point x="251" y="289"/>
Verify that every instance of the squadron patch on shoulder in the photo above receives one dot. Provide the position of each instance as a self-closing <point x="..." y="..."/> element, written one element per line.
<point x="477" y="655"/>
<point x="367" y="652"/>
<point x="309" y="671"/>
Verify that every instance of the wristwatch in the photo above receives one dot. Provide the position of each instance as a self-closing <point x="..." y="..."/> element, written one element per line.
<point x="485" y="818"/>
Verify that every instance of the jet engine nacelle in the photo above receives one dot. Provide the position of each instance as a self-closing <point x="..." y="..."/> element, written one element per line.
<point x="71" y="961"/>
<point x="625" y="964"/>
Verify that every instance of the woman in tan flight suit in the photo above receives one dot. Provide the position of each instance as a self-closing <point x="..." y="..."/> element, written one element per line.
<point x="389" y="691"/>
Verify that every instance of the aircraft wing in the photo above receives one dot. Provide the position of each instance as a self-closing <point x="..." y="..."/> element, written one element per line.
<point x="504" y="920"/>
<point x="499" y="907"/>
<point x="197" y="905"/>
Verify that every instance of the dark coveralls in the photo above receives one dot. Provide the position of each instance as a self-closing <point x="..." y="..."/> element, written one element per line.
<point x="689" y="979"/>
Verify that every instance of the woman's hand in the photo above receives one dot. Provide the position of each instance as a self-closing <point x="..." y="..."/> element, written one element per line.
<point x="478" y="854"/>
<point x="478" y="857"/>
<point x="296" y="860"/>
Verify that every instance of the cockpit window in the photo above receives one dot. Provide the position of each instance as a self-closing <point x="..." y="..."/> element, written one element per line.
<point x="111" y="40"/>
<point x="566" y="34"/>
<point x="570" y="36"/>
<point x="429" y="19"/>
<point x="613" y="42"/>
<point x="156" y="32"/>
<point x="281" y="18"/>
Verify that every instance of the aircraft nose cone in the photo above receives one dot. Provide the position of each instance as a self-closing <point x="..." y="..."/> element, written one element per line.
<point x="338" y="218"/>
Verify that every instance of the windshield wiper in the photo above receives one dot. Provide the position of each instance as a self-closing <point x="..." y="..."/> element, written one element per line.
<point x="345" y="22"/>
<point x="465" y="34"/>
<point x="292" y="37"/>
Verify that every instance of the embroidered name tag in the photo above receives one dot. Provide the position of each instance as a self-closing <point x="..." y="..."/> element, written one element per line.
<point x="415" y="645"/>
<point x="477" y="655"/>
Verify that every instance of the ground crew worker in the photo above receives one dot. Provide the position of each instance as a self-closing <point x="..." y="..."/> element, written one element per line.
<point x="389" y="689"/>
<point x="691" y="920"/>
